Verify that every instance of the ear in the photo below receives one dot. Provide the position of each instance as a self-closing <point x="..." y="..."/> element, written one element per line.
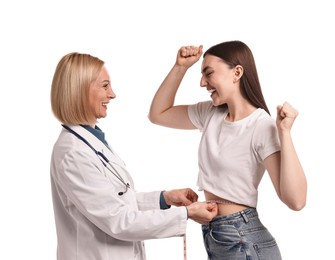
<point x="238" y="72"/>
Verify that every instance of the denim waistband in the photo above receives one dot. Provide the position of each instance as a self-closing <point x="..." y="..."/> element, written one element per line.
<point x="243" y="215"/>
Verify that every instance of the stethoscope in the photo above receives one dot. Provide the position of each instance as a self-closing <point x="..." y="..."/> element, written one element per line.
<point x="102" y="158"/>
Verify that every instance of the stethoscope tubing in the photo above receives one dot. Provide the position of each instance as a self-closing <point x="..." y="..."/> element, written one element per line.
<point x="100" y="155"/>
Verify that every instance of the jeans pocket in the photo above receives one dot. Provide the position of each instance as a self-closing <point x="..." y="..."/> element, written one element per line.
<point x="226" y="235"/>
<point x="268" y="250"/>
<point x="225" y="243"/>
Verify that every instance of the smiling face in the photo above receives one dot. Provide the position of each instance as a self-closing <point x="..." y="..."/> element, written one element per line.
<point x="100" y="93"/>
<point x="219" y="79"/>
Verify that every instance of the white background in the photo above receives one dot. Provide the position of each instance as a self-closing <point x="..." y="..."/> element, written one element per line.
<point x="293" y="44"/>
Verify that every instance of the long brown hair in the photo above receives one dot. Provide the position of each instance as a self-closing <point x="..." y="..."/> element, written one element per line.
<point x="235" y="53"/>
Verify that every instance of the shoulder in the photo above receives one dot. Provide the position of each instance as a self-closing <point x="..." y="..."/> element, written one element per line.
<point x="206" y="107"/>
<point x="265" y="126"/>
<point x="262" y="118"/>
<point x="203" y="105"/>
<point x="69" y="145"/>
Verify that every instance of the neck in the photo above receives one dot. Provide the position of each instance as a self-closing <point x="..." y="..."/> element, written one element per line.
<point x="236" y="113"/>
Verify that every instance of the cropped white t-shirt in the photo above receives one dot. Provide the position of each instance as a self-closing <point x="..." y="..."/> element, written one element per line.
<point x="231" y="154"/>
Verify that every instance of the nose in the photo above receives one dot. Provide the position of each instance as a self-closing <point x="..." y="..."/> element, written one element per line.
<point x="111" y="94"/>
<point x="203" y="82"/>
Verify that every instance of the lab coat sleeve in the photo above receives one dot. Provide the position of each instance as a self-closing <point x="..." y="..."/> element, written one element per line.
<point x="148" y="200"/>
<point x="133" y="216"/>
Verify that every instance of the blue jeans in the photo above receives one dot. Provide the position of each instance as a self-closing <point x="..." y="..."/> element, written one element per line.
<point x="239" y="236"/>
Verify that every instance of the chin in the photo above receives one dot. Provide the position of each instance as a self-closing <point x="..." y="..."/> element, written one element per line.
<point x="103" y="115"/>
<point x="216" y="104"/>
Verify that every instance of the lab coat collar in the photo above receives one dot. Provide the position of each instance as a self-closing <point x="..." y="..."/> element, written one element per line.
<point x="97" y="144"/>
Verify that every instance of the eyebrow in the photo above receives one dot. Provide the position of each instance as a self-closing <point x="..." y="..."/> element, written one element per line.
<point x="106" y="81"/>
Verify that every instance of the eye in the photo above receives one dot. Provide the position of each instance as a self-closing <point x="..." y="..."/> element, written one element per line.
<point x="105" y="86"/>
<point x="208" y="74"/>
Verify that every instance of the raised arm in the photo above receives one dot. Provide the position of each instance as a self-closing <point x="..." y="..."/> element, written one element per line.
<point x="285" y="168"/>
<point x="162" y="110"/>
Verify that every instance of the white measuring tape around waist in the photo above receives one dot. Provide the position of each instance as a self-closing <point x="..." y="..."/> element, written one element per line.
<point x="224" y="202"/>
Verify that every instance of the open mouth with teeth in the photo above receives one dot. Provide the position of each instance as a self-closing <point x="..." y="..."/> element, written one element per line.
<point x="211" y="91"/>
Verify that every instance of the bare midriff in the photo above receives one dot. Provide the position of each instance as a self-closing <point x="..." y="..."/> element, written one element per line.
<point x="225" y="207"/>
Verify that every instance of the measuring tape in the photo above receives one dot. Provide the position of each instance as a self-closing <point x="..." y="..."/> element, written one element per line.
<point x="184" y="242"/>
<point x="226" y="202"/>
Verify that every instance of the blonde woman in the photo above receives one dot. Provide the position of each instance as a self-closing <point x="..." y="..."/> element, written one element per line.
<point x="98" y="212"/>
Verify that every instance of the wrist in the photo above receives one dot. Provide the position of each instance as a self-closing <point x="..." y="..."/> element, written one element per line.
<point x="162" y="202"/>
<point x="180" y="69"/>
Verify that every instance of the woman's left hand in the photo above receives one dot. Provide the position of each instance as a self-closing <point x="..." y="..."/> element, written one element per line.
<point x="286" y="115"/>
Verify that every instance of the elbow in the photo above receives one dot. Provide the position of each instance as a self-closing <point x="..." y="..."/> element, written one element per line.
<point x="153" y="119"/>
<point x="296" y="205"/>
<point x="296" y="198"/>
<point x="156" y="118"/>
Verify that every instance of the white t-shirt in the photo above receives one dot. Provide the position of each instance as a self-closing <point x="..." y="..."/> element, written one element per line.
<point x="231" y="154"/>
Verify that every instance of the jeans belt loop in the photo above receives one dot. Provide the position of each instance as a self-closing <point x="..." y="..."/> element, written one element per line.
<point x="246" y="219"/>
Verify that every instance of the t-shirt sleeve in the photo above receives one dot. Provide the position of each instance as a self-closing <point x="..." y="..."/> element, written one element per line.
<point x="266" y="138"/>
<point x="198" y="113"/>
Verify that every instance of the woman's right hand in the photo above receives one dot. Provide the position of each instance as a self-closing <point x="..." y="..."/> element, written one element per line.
<point x="188" y="55"/>
<point x="202" y="212"/>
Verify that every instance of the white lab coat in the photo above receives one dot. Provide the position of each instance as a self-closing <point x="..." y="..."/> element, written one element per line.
<point x="92" y="220"/>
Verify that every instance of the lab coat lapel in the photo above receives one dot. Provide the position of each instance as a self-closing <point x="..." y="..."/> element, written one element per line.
<point x="101" y="147"/>
<point x="98" y="145"/>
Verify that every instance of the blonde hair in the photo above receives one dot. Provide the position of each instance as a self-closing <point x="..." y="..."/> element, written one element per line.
<point x="73" y="76"/>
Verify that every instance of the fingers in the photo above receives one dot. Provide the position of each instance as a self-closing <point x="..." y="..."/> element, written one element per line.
<point x="212" y="206"/>
<point x="202" y="212"/>
<point x="188" y="199"/>
<point x="187" y="196"/>
<point x="286" y="110"/>
<point x="188" y="51"/>
<point x="184" y="201"/>
<point x="286" y="116"/>
<point x="188" y="55"/>
<point x="192" y="196"/>
<point x="180" y="197"/>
